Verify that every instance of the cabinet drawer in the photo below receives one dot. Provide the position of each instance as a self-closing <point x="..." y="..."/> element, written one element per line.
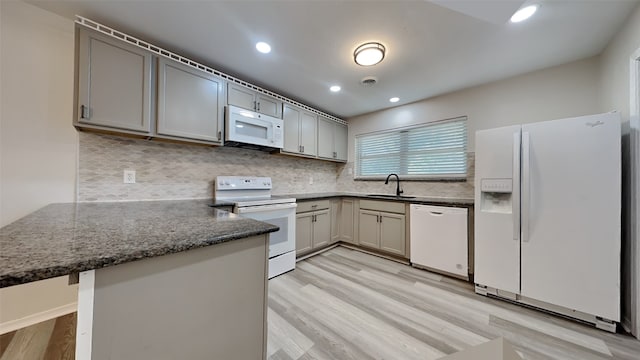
<point x="312" y="205"/>
<point x="387" y="206"/>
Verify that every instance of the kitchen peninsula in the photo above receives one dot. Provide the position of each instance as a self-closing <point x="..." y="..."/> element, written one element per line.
<point x="157" y="279"/>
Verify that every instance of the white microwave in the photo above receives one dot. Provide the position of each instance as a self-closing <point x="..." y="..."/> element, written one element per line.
<point x="245" y="127"/>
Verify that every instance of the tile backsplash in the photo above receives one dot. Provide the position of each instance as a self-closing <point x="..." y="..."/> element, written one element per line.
<point x="182" y="171"/>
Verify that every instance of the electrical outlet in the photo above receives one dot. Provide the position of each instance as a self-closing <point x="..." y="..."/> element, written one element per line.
<point x="310" y="180"/>
<point x="129" y="176"/>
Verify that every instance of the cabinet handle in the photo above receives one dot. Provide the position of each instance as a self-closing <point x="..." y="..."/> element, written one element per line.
<point x="302" y="148"/>
<point x="314" y="218"/>
<point x="299" y="148"/>
<point x="255" y="106"/>
<point x="258" y="107"/>
<point x="219" y="135"/>
<point x="84" y="112"/>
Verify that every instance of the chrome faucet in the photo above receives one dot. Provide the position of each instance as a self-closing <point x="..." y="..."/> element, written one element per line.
<point x="398" y="191"/>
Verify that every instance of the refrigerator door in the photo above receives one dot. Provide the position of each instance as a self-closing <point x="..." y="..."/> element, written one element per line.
<point x="571" y="179"/>
<point x="497" y="212"/>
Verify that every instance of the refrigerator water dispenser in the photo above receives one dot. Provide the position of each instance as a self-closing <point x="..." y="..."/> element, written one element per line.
<point x="496" y="196"/>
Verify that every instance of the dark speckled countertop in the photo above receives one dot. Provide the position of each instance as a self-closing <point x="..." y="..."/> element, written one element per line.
<point x="430" y="200"/>
<point x="61" y="239"/>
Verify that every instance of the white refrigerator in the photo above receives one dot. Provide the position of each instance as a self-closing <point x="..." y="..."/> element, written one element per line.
<point x="547" y="216"/>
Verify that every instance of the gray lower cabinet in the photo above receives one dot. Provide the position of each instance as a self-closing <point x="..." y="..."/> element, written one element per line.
<point x="300" y="127"/>
<point x="190" y="103"/>
<point x="332" y="140"/>
<point x="114" y="83"/>
<point x="347" y="221"/>
<point x="336" y="206"/>
<point x="313" y="225"/>
<point x="382" y="226"/>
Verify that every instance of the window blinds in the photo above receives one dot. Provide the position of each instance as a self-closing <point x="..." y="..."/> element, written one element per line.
<point x="435" y="150"/>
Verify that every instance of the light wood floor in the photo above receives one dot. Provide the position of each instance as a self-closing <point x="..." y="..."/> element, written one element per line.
<point x="49" y="340"/>
<point x="344" y="304"/>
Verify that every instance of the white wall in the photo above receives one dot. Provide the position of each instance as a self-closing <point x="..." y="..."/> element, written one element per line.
<point x="38" y="147"/>
<point x="616" y="84"/>
<point x="558" y="92"/>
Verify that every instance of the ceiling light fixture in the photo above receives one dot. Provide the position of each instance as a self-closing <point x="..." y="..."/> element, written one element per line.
<point x="394" y="99"/>
<point x="369" y="54"/>
<point x="524" y="13"/>
<point x="263" y="47"/>
<point x="335" y="88"/>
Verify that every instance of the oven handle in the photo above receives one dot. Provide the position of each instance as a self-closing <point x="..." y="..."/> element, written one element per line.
<point x="263" y="208"/>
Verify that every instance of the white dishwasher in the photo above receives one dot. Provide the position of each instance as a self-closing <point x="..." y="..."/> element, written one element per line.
<point x="438" y="238"/>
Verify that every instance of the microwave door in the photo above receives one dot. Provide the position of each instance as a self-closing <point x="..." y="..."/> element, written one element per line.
<point x="252" y="131"/>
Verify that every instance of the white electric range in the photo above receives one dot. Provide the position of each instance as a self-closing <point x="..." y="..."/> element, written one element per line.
<point x="251" y="197"/>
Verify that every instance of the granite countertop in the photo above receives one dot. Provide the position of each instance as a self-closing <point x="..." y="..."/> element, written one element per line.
<point x="417" y="200"/>
<point x="61" y="239"/>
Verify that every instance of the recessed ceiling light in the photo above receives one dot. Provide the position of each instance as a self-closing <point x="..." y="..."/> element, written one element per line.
<point x="394" y="99"/>
<point x="263" y="47"/>
<point x="524" y="13"/>
<point x="369" y="54"/>
<point x="335" y="88"/>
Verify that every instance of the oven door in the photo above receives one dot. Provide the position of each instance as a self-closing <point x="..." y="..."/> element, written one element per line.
<point x="281" y="215"/>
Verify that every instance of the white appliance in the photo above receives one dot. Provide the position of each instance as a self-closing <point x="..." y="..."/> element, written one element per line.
<point x="547" y="216"/>
<point x="439" y="239"/>
<point x="244" y="127"/>
<point x="252" y="199"/>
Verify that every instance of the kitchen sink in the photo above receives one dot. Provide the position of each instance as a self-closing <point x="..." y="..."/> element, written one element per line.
<point x="392" y="196"/>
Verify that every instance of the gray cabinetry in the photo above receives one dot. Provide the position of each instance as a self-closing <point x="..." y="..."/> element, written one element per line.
<point x="347" y="221"/>
<point x="313" y="225"/>
<point x="382" y="226"/>
<point x="251" y="100"/>
<point x="332" y="140"/>
<point x="300" y="129"/>
<point x="336" y="206"/>
<point x="189" y="102"/>
<point x="114" y="84"/>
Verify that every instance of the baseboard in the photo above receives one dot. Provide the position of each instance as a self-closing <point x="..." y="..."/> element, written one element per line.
<point x="33" y="319"/>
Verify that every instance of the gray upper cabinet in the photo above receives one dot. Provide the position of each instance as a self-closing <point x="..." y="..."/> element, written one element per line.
<point x="300" y="129"/>
<point x="341" y="142"/>
<point x="332" y="140"/>
<point x="190" y="102"/>
<point x="114" y="84"/>
<point x="251" y="100"/>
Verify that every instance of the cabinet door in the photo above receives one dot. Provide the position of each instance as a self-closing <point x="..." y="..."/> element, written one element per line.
<point x="189" y="103"/>
<point x="321" y="229"/>
<point x="308" y="129"/>
<point x="369" y="229"/>
<point x="335" y="220"/>
<point x="304" y="233"/>
<point x="114" y="88"/>
<point x="346" y="221"/>
<point x="241" y="96"/>
<point x="291" y="118"/>
<point x="392" y="233"/>
<point x="325" y="138"/>
<point x="340" y="140"/>
<point x="269" y="106"/>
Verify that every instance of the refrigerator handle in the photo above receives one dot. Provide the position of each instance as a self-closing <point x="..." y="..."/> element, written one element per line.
<point x="524" y="212"/>
<point x="515" y="192"/>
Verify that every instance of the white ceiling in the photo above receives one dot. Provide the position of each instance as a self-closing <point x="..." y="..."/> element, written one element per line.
<point x="433" y="47"/>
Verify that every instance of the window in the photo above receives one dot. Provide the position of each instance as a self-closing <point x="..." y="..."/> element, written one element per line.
<point x="437" y="150"/>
